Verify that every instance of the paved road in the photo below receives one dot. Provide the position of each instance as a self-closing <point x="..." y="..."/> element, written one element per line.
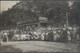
<point x="42" y="46"/>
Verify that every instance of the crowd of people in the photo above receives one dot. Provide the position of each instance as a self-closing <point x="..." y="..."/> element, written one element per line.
<point x="62" y="35"/>
<point x="58" y="35"/>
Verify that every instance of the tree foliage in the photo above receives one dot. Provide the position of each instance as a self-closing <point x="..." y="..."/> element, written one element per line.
<point x="30" y="11"/>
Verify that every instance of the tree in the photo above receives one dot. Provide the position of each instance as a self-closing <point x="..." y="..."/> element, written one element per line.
<point x="74" y="14"/>
<point x="28" y="11"/>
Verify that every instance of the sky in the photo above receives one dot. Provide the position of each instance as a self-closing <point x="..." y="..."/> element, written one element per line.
<point x="70" y="3"/>
<point x="8" y="4"/>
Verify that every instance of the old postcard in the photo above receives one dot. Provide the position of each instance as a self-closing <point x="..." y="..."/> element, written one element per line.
<point x="39" y="26"/>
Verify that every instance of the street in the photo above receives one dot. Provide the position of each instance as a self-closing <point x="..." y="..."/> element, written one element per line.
<point x="43" y="46"/>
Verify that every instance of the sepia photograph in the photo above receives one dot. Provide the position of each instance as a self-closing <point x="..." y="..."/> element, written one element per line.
<point x="34" y="26"/>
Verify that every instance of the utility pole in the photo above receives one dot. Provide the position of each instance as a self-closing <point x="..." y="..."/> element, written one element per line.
<point x="67" y="20"/>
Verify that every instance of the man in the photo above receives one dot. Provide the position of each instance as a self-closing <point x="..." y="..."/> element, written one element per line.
<point x="11" y="34"/>
<point x="73" y="35"/>
<point x="64" y="36"/>
<point x="51" y="36"/>
<point x="0" y="38"/>
<point x="5" y="36"/>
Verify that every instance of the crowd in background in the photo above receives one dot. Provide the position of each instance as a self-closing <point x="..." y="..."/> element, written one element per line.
<point x="46" y="34"/>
